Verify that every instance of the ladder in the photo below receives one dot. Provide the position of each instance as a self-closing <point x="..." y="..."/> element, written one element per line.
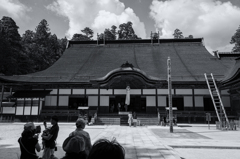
<point x="216" y="99"/>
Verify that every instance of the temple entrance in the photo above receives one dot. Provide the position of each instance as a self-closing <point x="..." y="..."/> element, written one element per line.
<point x="137" y="104"/>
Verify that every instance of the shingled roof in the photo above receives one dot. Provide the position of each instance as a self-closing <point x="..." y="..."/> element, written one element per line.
<point x="86" y="61"/>
<point x="233" y="76"/>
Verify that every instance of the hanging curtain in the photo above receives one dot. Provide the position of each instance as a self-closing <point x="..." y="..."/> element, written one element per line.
<point x="127" y="101"/>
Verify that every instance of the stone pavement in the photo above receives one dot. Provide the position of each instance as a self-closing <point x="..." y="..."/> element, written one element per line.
<point x="144" y="142"/>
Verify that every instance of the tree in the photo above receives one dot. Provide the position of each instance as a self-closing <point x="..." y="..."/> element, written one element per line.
<point x="236" y="40"/>
<point x="190" y="36"/>
<point x="126" y="32"/>
<point x="177" y="34"/>
<point x="154" y="36"/>
<point x="80" y="37"/>
<point x="110" y="34"/>
<point x="88" y="32"/>
<point x="10" y="46"/>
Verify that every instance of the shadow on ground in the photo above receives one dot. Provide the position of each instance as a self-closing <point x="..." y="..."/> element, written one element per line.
<point x="178" y="133"/>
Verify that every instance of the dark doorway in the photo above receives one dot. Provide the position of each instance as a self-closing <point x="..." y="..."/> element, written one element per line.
<point x="137" y="103"/>
<point x="75" y="102"/>
<point x="208" y="104"/>
<point x="177" y="102"/>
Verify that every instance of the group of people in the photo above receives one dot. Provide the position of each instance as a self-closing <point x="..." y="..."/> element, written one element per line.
<point x="165" y="120"/>
<point x="132" y="119"/>
<point x="77" y="145"/>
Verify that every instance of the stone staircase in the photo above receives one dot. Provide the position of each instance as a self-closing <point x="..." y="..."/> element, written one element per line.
<point x="108" y="121"/>
<point x="116" y="119"/>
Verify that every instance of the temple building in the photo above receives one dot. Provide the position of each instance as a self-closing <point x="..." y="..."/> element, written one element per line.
<point x="94" y="76"/>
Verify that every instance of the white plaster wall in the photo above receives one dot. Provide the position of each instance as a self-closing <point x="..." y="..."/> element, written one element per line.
<point x="184" y="91"/>
<point x="151" y="101"/>
<point x="105" y="91"/>
<point x="198" y="101"/>
<point x="164" y="91"/>
<point x="78" y="91"/>
<point x="92" y="91"/>
<point x="92" y="100"/>
<point x="120" y="91"/>
<point x="27" y="110"/>
<point x="63" y="100"/>
<point x="19" y="111"/>
<point x="8" y="110"/>
<point x="34" y="110"/>
<point x="54" y="91"/>
<point x="226" y="101"/>
<point x="162" y="101"/>
<point x="104" y="100"/>
<point x="224" y="92"/>
<point x="64" y="91"/>
<point x="188" y="102"/>
<point x="149" y="91"/>
<point x="135" y="91"/>
<point x="51" y="101"/>
<point x="201" y="91"/>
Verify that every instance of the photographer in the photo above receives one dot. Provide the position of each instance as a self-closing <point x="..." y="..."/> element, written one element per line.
<point x="29" y="142"/>
<point x="50" y="139"/>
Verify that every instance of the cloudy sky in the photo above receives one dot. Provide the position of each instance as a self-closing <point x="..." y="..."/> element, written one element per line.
<point x="214" y="20"/>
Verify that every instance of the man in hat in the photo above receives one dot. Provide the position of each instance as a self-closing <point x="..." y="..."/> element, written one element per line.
<point x="50" y="139"/>
<point x="80" y="124"/>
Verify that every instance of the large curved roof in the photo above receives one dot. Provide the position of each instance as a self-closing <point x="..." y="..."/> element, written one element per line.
<point x="233" y="76"/>
<point x="85" y="61"/>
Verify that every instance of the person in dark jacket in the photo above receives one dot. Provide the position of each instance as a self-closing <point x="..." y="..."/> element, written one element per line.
<point x="29" y="142"/>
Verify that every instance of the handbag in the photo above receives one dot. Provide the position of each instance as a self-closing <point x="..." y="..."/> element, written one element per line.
<point x="26" y="149"/>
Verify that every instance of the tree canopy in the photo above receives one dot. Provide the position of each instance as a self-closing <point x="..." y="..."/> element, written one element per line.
<point x="86" y="36"/>
<point x="177" y="34"/>
<point x="126" y="32"/>
<point x="34" y="51"/>
<point x="236" y="40"/>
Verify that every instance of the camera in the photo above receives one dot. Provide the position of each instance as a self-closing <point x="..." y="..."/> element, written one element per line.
<point x="38" y="129"/>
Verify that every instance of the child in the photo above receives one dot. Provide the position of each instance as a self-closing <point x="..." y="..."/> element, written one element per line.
<point x="45" y="132"/>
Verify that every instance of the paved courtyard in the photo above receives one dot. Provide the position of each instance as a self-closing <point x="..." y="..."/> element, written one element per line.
<point x="145" y="142"/>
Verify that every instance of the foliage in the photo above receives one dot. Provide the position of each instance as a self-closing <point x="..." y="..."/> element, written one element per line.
<point x="126" y="32"/>
<point x="236" y="40"/>
<point x="110" y="34"/>
<point x="177" y="34"/>
<point x="154" y="36"/>
<point x="11" y="51"/>
<point x="34" y="51"/>
<point x="88" y="34"/>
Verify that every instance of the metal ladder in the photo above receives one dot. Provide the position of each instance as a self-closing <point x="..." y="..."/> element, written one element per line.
<point x="217" y="101"/>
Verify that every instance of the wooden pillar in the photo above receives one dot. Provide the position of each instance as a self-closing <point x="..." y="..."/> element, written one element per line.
<point x="170" y="95"/>
<point x="98" y="98"/>
<point x="10" y="94"/>
<point x="193" y="98"/>
<point x="1" y="110"/>
<point x="57" y="96"/>
<point x="156" y="94"/>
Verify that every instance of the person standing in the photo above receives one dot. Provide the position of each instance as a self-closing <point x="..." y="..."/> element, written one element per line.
<point x="130" y="119"/>
<point x="134" y="119"/>
<point x="80" y="124"/>
<point x="159" y="116"/>
<point x="29" y="142"/>
<point x="50" y="138"/>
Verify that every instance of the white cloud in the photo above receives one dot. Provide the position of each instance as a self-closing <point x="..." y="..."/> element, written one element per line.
<point x="213" y="20"/>
<point x="97" y="15"/>
<point x="14" y="9"/>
